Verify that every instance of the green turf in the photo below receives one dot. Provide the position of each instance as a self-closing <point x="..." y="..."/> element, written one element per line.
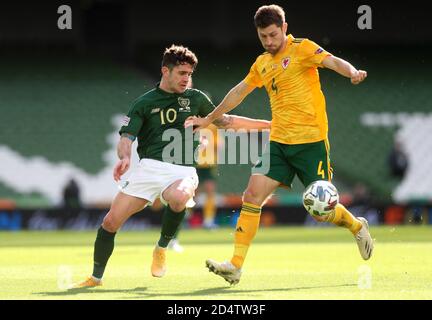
<point x="283" y="263"/>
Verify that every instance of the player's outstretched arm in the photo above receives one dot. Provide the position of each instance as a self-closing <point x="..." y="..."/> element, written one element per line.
<point x="230" y="122"/>
<point x="124" y="148"/>
<point x="233" y="98"/>
<point x="344" y="68"/>
<point x="238" y="122"/>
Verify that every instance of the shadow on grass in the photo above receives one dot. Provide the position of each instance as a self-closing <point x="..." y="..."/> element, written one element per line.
<point x="142" y="293"/>
<point x="71" y="292"/>
<point x="233" y="289"/>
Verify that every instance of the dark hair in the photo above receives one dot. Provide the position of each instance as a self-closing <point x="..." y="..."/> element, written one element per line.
<point x="268" y="15"/>
<point x="177" y="55"/>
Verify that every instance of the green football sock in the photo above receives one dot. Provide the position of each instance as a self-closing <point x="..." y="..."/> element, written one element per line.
<point x="177" y="232"/>
<point x="171" y="222"/>
<point x="103" y="248"/>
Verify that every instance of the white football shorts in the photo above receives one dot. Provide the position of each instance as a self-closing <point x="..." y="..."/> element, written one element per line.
<point x="151" y="177"/>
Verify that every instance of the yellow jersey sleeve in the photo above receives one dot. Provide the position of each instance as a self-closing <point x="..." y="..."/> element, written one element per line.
<point x="253" y="78"/>
<point x="312" y="54"/>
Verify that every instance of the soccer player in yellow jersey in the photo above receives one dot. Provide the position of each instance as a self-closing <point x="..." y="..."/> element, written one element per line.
<point x="298" y="138"/>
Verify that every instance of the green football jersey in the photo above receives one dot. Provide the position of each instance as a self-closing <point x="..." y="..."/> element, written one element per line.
<point x="157" y="120"/>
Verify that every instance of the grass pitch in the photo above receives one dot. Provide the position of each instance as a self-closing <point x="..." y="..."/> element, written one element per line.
<point x="283" y="263"/>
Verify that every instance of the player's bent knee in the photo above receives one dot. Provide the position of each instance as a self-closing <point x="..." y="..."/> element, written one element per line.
<point x="177" y="206"/>
<point x="252" y="196"/>
<point x="178" y="203"/>
<point x="110" y="224"/>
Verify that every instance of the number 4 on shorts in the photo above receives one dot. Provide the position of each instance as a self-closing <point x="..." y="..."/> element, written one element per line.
<point x="320" y="171"/>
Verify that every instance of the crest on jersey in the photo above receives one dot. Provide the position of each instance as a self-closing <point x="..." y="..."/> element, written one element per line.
<point x="184" y="102"/>
<point x="285" y="62"/>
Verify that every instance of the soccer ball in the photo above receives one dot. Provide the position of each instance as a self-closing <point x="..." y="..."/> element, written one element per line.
<point x="320" y="198"/>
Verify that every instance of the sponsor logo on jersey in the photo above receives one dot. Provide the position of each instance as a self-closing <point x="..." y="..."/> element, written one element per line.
<point x="184" y="104"/>
<point x="285" y="62"/>
<point x="319" y="50"/>
<point x="155" y="110"/>
<point x="125" y="121"/>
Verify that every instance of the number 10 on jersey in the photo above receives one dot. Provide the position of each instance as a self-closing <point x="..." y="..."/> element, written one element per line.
<point x="169" y="115"/>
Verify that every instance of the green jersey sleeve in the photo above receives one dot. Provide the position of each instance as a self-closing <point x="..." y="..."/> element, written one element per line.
<point x="133" y="121"/>
<point x="206" y="105"/>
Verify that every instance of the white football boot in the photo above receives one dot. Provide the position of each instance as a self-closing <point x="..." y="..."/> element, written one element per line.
<point x="225" y="269"/>
<point x="364" y="240"/>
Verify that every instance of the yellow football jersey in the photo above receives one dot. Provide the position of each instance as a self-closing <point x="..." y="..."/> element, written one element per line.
<point x="292" y="82"/>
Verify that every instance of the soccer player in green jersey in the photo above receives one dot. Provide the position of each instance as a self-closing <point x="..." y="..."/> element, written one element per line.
<point x="155" y="118"/>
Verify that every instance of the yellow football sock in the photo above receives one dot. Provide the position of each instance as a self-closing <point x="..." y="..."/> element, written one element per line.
<point x="247" y="226"/>
<point x="209" y="209"/>
<point x="343" y="218"/>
